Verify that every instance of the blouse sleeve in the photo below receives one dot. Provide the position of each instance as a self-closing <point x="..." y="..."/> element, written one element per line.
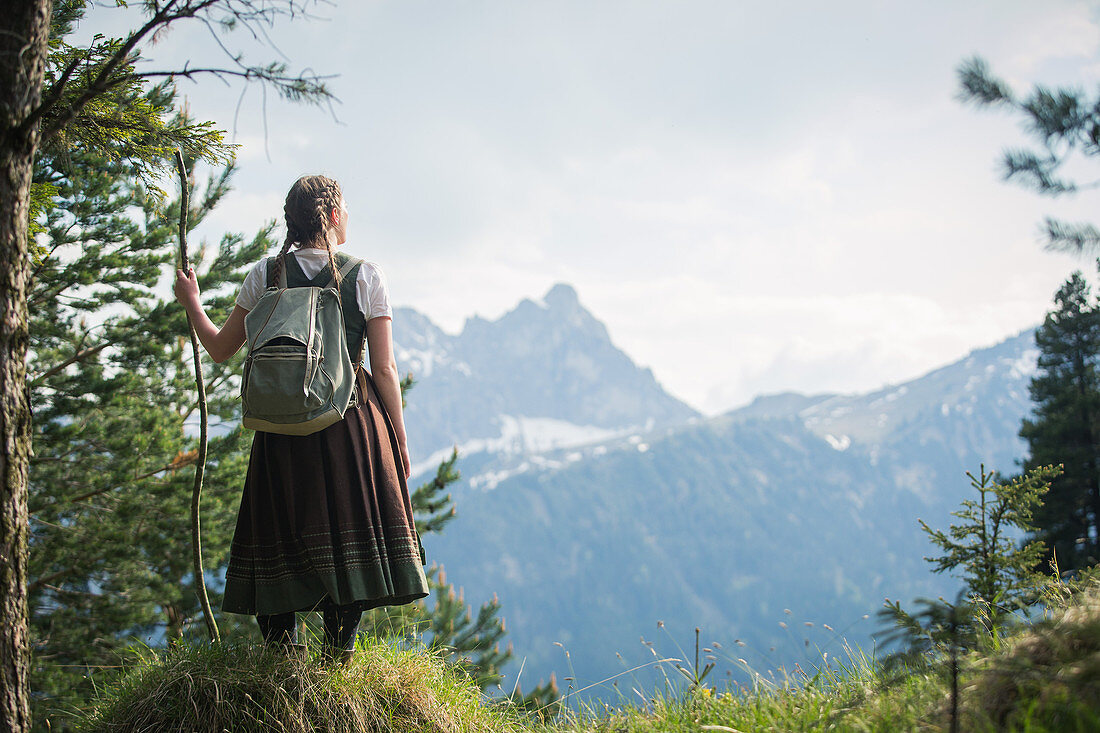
<point x="255" y="282"/>
<point x="372" y="292"/>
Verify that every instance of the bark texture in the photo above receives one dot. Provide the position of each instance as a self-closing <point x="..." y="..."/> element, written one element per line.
<point x="24" y="31"/>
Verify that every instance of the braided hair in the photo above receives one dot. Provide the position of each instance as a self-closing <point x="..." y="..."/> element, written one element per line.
<point x="308" y="204"/>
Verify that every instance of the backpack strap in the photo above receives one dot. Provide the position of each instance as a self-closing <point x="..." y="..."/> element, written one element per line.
<point x="362" y="348"/>
<point x="344" y="271"/>
<point x="282" y="272"/>
<point x="352" y="262"/>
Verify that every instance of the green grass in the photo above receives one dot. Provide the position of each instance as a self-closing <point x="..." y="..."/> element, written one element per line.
<point x="830" y="698"/>
<point x="1045" y="677"/>
<point x="244" y="688"/>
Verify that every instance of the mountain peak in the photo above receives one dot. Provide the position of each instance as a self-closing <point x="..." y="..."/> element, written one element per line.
<point x="545" y="360"/>
<point x="561" y="295"/>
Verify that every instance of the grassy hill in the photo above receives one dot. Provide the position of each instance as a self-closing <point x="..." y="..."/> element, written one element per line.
<point x="1042" y="677"/>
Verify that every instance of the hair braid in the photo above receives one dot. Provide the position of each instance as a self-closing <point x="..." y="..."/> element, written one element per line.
<point x="280" y="260"/>
<point x="332" y="264"/>
<point x="308" y="205"/>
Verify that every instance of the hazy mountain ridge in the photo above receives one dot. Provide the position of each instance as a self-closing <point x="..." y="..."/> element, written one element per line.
<point x="808" y="503"/>
<point x="1001" y="371"/>
<point x="933" y="428"/>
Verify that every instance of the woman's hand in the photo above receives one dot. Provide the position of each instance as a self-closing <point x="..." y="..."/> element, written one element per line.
<point x="220" y="343"/>
<point x="187" y="288"/>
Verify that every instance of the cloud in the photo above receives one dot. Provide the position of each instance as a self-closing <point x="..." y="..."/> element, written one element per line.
<point x="754" y="197"/>
<point x="1063" y="31"/>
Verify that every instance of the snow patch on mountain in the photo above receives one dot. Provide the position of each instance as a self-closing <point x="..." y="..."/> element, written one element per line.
<point x="1026" y="366"/>
<point x="491" y="479"/>
<point x="520" y="434"/>
<point x="528" y="437"/>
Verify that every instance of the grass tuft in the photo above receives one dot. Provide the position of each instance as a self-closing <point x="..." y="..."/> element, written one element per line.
<point x="246" y="688"/>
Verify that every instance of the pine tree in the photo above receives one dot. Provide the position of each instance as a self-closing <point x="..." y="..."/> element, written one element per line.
<point x="1063" y="427"/>
<point x="1064" y="122"/>
<point x="998" y="573"/>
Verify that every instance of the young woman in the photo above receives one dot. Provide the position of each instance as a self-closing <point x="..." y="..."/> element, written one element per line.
<point x="325" y="521"/>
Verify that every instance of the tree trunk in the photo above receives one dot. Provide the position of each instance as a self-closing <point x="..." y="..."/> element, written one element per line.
<point x="1091" y="529"/>
<point x="24" y="30"/>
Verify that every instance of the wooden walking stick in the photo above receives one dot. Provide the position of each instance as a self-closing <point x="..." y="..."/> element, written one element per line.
<point x="200" y="384"/>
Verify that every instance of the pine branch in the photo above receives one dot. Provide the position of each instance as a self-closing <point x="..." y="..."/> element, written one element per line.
<point x="53" y="94"/>
<point x="1071" y="238"/>
<point x="295" y="88"/>
<point x="99" y="84"/>
<point x="979" y="86"/>
<point x="117" y="69"/>
<point x="78" y="356"/>
<point x="174" y="465"/>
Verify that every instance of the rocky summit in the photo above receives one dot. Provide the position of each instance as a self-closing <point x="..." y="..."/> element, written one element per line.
<point x="543" y="375"/>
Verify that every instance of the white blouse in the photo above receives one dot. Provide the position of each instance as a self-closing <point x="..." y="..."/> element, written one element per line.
<point x="371" y="291"/>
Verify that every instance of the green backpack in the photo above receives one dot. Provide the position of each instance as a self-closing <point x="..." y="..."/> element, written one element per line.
<point x="298" y="375"/>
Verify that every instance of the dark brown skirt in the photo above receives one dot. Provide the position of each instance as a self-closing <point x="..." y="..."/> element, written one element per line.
<point x="326" y="518"/>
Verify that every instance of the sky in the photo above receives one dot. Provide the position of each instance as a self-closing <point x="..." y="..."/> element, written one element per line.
<point x="754" y="197"/>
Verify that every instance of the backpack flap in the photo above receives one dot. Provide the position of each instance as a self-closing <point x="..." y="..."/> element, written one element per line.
<point x="279" y="315"/>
